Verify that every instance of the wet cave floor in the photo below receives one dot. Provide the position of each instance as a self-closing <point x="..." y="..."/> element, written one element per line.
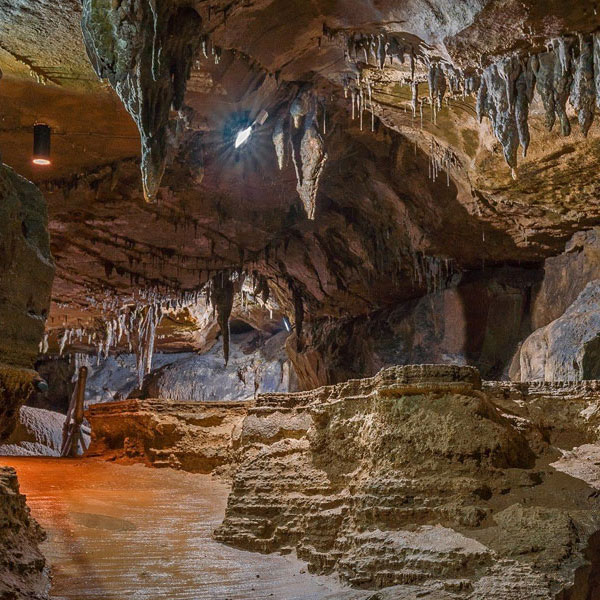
<point x="118" y="531"/>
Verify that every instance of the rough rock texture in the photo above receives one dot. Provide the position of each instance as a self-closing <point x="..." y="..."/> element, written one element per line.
<point x="478" y="321"/>
<point x="420" y="479"/>
<point x="566" y="275"/>
<point x="58" y="373"/>
<point x="26" y="273"/>
<point x="115" y="377"/>
<point x="23" y="574"/>
<point x="258" y="364"/>
<point x="39" y="432"/>
<point x="26" y="266"/>
<point x="568" y="348"/>
<point x="197" y="437"/>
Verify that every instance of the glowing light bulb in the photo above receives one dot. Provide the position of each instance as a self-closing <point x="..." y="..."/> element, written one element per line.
<point x="41" y="144"/>
<point x="242" y="136"/>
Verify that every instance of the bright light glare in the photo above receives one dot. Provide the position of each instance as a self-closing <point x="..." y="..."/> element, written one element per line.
<point x="40" y="161"/>
<point x="243" y="136"/>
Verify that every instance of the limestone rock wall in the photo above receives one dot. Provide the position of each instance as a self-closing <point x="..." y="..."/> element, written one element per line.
<point x="23" y="574"/>
<point x="421" y="479"/>
<point x="201" y="437"/>
<point x="26" y="274"/>
<point x="566" y="275"/>
<point x="568" y="348"/>
<point x="564" y="314"/>
<point x="478" y="321"/>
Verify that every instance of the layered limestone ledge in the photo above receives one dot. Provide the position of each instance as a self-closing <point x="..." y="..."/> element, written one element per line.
<point x="200" y="437"/>
<point x="423" y="479"/>
<point x="23" y="572"/>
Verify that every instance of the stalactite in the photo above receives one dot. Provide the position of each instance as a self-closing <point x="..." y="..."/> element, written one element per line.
<point x="221" y="295"/>
<point x="279" y="140"/>
<point x="309" y="159"/>
<point x="298" y="315"/>
<point x="146" y="50"/>
<point x="583" y="90"/>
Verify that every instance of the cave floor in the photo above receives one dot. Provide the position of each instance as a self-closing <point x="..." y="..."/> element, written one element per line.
<point x="118" y="531"/>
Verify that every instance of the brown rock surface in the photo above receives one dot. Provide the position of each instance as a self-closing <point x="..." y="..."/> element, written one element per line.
<point x="420" y="479"/>
<point x="382" y="219"/>
<point x="26" y="273"/>
<point x="566" y="275"/>
<point x="23" y="574"/>
<point x="568" y="348"/>
<point x="201" y="437"/>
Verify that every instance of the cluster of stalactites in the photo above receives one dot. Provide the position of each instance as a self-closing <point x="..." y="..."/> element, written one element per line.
<point x="433" y="272"/>
<point x="441" y="158"/>
<point x="377" y="48"/>
<point x="131" y="322"/>
<point x="569" y="70"/>
<point x="221" y="290"/>
<point x="297" y="132"/>
<point x="134" y="324"/>
<point x="145" y="49"/>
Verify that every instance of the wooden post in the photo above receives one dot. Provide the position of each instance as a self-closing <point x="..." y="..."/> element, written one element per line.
<point x="72" y="428"/>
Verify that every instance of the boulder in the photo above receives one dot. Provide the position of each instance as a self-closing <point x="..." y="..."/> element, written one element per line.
<point x="568" y="348"/>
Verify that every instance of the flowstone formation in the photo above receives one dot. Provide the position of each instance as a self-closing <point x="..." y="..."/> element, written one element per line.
<point x="421" y="481"/>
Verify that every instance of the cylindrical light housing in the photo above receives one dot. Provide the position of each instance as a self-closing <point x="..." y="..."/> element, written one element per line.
<point x="41" y="144"/>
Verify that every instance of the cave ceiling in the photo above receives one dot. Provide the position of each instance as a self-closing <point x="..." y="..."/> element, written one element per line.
<point x="386" y="188"/>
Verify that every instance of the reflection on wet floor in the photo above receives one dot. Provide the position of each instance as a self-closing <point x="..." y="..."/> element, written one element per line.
<point x="117" y="532"/>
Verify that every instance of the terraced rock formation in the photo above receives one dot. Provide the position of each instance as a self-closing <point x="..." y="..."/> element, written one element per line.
<point x="421" y="479"/>
<point x="201" y="437"/>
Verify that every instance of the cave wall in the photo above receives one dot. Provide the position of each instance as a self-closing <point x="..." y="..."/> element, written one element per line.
<point x="27" y="271"/>
<point x="26" y="274"/>
<point x="563" y="345"/>
<point x="479" y="320"/>
<point x="422" y="479"/>
<point x="23" y="572"/>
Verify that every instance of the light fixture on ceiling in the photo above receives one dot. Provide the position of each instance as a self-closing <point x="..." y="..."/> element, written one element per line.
<point x="41" y="144"/>
<point x="244" y="134"/>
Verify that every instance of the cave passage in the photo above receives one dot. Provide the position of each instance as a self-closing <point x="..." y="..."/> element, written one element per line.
<point x="118" y="531"/>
